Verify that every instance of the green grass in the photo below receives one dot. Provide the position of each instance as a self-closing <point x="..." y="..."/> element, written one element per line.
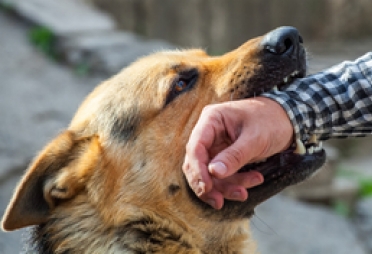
<point x="43" y="39"/>
<point x="364" y="182"/>
<point x="365" y="187"/>
<point x="82" y="69"/>
<point x="341" y="208"/>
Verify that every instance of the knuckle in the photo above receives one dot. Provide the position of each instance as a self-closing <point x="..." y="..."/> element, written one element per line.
<point x="209" y="109"/>
<point x="234" y="157"/>
<point x="185" y="167"/>
<point x="211" y="112"/>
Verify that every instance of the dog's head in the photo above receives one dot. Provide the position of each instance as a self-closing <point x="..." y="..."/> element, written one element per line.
<point x="124" y="149"/>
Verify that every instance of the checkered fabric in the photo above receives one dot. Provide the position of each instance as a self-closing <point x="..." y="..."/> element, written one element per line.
<point x="334" y="103"/>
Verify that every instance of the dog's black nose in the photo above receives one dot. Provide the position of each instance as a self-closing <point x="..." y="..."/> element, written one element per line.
<point x="283" y="40"/>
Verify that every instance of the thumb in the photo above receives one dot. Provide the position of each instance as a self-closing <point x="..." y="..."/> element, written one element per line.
<point x="231" y="159"/>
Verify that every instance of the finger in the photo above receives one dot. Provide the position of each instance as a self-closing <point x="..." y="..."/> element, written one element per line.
<point x="214" y="198"/>
<point x="246" y="179"/>
<point x="197" y="152"/>
<point x="231" y="191"/>
<point x="197" y="176"/>
<point x="195" y="166"/>
<point x="231" y="159"/>
<point x="235" y="187"/>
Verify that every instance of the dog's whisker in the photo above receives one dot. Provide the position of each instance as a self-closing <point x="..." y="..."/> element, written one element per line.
<point x="264" y="223"/>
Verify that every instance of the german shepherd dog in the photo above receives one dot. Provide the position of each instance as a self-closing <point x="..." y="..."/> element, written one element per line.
<point x="112" y="182"/>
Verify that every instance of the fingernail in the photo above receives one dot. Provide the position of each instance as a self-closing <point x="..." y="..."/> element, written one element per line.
<point x="256" y="181"/>
<point x="200" y="189"/>
<point x="211" y="202"/>
<point x="236" y="195"/>
<point x="218" y="167"/>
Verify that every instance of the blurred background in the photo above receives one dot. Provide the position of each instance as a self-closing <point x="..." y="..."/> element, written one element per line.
<point x="53" y="53"/>
<point x="221" y="25"/>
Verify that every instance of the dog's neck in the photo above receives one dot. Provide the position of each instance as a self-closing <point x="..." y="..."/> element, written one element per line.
<point x="82" y="231"/>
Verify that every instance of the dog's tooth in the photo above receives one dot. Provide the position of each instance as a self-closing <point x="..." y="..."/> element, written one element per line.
<point x="295" y="73"/>
<point x="318" y="147"/>
<point x="285" y="80"/>
<point x="313" y="139"/>
<point x="259" y="161"/>
<point x="300" y="148"/>
<point x="275" y="88"/>
<point x="311" y="150"/>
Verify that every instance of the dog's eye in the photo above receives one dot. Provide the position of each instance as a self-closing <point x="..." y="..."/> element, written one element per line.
<point x="180" y="85"/>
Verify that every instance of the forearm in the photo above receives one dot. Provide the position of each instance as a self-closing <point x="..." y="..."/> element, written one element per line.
<point x="334" y="103"/>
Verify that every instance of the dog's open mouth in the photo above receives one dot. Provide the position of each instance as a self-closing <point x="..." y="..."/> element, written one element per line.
<point x="290" y="78"/>
<point x="294" y="164"/>
<point x="281" y="170"/>
<point x="297" y="74"/>
<point x="297" y="162"/>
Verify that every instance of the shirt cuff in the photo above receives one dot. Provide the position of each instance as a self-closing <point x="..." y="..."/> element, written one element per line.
<point x="298" y="112"/>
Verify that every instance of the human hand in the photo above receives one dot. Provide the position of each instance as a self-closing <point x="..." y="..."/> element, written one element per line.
<point x="226" y="137"/>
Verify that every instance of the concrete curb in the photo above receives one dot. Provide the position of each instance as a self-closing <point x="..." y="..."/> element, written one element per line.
<point x="84" y="36"/>
<point x="62" y="17"/>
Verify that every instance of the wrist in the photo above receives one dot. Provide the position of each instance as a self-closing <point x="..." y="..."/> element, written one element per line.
<point x="279" y="119"/>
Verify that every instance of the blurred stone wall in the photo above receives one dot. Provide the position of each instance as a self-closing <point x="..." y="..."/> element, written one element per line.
<point x="220" y="25"/>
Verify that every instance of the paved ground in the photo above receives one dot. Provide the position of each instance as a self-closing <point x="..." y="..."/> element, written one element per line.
<point x="38" y="98"/>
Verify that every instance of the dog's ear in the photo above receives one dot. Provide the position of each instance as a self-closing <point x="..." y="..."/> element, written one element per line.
<point x="58" y="173"/>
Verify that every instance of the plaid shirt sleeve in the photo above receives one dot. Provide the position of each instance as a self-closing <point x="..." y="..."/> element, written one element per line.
<point x="334" y="103"/>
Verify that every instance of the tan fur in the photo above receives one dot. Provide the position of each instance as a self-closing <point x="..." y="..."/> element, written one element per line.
<point x="112" y="182"/>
